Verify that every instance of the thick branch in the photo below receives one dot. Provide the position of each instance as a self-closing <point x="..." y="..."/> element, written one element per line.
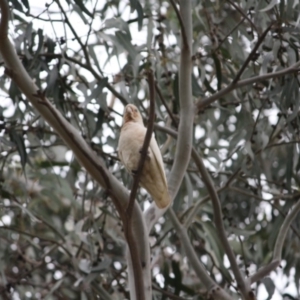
<point x="185" y="129"/>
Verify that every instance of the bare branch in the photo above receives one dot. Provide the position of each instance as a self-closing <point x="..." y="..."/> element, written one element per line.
<point x="244" y="15"/>
<point x="228" y="34"/>
<point x="265" y="271"/>
<point x="165" y="104"/>
<point x="83" y="47"/>
<point x="201" y="104"/>
<point x="218" y="219"/>
<point x="251" y="54"/>
<point x="211" y="286"/>
<point x="98" y="77"/>
<point x="185" y="130"/>
<point x="183" y="30"/>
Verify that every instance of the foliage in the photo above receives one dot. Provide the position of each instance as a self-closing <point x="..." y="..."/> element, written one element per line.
<point x="61" y="236"/>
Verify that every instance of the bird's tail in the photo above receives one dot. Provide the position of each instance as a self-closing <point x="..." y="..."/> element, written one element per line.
<point x="164" y="200"/>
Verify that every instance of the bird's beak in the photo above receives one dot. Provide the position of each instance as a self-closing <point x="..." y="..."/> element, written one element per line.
<point x="128" y="110"/>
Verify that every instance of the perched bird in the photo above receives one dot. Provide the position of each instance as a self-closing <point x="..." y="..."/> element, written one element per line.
<point x="131" y="140"/>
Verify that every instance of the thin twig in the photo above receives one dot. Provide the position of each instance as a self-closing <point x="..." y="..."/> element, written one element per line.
<point x="87" y="65"/>
<point x="201" y="104"/>
<point x="162" y="99"/>
<point x="168" y="294"/>
<point x="251" y="54"/>
<point x="218" y="219"/>
<point x="99" y="78"/>
<point x="228" y="34"/>
<point x="245" y="16"/>
<point x="84" y="49"/>
<point x="91" y="24"/>
<point x="275" y="197"/>
<point x="264" y="271"/>
<point x="54" y="241"/>
<point x="183" y="31"/>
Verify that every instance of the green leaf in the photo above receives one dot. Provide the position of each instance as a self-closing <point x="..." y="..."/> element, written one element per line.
<point x="289" y="166"/>
<point x="218" y="70"/>
<point x="178" y="277"/>
<point x="102" y="265"/>
<point x="26" y="4"/>
<point x="269" y="6"/>
<point x="176" y="94"/>
<point x="189" y="188"/>
<point x="116" y="23"/>
<point x="136" y="5"/>
<point x="14" y="92"/>
<point x="83" y="8"/>
<point x="197" y="91"/>
<point x="19" y="142"/>
<point x="16" y="5"/>
<point x="100" y="120"/>
<point x="125" y="40"/>
<point x="140" y="13"/>
<point x="40" y="42"/>
<point x="51" y="81"/>
<point x="270" y="286"/>
<point x="53" y="289"/>
<point x="96" y="93"/>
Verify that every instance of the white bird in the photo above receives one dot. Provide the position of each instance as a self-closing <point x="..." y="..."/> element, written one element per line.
<point x="131" y="140"/>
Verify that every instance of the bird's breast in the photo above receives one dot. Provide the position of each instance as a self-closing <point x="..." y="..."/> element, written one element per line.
<point x="130" y="143"/>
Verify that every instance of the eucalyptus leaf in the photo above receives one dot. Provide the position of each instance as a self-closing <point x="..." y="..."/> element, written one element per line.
<point x="270" y="287"/>
<point x="20" y="145"/>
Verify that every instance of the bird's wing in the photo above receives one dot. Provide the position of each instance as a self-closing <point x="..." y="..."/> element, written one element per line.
<point x="130" y="143"/>
<point x="158" y="159"/>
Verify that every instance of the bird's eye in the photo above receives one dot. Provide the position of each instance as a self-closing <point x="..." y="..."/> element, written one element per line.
<point x="135" y="110"/>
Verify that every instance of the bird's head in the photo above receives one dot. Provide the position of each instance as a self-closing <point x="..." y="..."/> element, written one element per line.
<point x="132" y="114"/>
